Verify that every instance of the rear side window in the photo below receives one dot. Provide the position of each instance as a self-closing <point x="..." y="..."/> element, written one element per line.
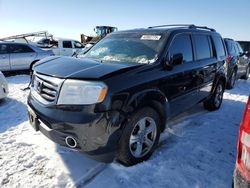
<point x="219" y="47"/>
<point x="239" y="47"/>
<point x="67" y="44"/>
<point x="3" y="49"/>
<point x="182" y="44"/>
<point x="20" y="48"/>
<point x="203" y="50"/>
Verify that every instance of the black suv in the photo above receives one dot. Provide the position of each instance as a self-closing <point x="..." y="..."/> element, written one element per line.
<point x="237" y="62"/>
<point x="116" y="101"/>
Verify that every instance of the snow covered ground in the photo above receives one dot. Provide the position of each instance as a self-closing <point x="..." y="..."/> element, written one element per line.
<point x="197" y="150"/>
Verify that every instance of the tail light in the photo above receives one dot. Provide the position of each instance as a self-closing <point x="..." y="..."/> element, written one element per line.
<point x="243" y="155"/>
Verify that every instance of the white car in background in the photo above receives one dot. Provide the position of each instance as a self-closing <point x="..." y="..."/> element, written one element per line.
<point x="20" y="56"/>
<point x="61" y="47"/>
<point x="4" y="90"/>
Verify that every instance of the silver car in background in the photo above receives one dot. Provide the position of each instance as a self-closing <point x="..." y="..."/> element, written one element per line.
<point x="20" y="56"/>
<point x="4" y="90"/>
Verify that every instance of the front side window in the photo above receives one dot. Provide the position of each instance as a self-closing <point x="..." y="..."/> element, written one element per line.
<point x="67" y="44"/>
<point x="20" y="48"/>
<point x="182" y="45"/>
<point x="128" y="47"/>
<point x="239" y="47"/>
<point x="203" y="50"/>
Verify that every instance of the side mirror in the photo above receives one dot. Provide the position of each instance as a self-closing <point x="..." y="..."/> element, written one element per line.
<point x="247" y="53"/>
<point x="176" y="59"/>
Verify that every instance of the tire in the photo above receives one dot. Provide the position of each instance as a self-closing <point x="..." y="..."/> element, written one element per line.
<point x="245" y="77"/>
<point x="232" y="80"/>
<point x="214" y="102"/>
<point x="136" y="145"/>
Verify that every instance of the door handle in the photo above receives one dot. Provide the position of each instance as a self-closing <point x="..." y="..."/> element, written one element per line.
<point x="4" y="57"/>
<point x="182" y="88"/>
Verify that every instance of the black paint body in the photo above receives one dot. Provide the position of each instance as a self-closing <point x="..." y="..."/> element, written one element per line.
<point x="97" y="128"/>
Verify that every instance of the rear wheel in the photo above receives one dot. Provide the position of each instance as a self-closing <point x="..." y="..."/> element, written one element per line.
<point x="214" y="102"/>
<point x="232" y="80"/>
<point x="245" y="77"/>
<point x="140" y="137"/>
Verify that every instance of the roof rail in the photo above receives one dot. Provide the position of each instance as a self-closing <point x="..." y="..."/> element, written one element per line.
<point x="191" y="26"/>
<point x="201" y="27"/>
<point x="34" y="34"/>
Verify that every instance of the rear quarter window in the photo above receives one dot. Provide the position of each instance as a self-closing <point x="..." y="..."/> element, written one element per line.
<point x="202" y="46"/>
<point x="219" y="47"/>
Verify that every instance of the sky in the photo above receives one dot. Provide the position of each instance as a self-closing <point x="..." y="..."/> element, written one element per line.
<point x="70" y="18"/>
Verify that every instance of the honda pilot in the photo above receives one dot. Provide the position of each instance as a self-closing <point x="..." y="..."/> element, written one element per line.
<point x="115" y="102"/>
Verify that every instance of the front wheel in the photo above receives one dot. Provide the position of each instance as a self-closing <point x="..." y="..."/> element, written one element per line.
<point x="140" y="137"/>
<point x="214" y="102"/>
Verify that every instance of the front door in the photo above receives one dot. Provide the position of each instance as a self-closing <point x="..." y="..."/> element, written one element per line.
<point x="67" y="48"/>
<point x="179" y="84"/>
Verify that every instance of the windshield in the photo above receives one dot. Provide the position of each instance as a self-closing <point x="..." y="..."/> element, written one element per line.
<point x="128" y="47"/>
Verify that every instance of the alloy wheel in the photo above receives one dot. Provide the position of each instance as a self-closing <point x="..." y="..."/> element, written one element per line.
<point x="143" y="137"/>
<point x="218" y="95"/>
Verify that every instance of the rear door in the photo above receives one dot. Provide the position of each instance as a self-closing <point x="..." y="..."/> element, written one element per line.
<point x="4" y="58"/>
<point x="21" y="56"/>
<point x="205" y="65"/>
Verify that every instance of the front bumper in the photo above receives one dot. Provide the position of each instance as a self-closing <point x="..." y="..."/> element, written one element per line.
<point x="97" y="134"/>
<point x="239" y="180"/>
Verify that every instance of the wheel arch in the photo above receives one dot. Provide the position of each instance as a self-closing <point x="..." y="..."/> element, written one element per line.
<point x="153" y="98"/>
<point x="220" y="77"/>
<point x="33" y="62"/>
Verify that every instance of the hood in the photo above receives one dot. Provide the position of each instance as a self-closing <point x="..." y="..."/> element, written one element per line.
<point x="68" y="67"/>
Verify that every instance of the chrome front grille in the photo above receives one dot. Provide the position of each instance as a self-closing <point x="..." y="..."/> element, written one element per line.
<point x="45" y="88"/>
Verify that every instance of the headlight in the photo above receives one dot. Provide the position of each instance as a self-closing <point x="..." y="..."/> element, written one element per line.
<point x="82" y="92"/>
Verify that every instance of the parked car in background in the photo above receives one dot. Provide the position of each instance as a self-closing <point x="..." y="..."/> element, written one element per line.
<point x="237" y="62"/>
<point x="61" y="47"/>
<point x="245" y="45"/>
<point x="116" y="101"/>
<point x="4" y="90"/>
<point x="20" y="56"/>
<point x="242" y="168"/>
